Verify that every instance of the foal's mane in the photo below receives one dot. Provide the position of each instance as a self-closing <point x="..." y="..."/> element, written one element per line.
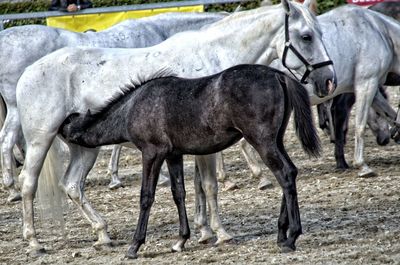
<point x="134" y="85"/>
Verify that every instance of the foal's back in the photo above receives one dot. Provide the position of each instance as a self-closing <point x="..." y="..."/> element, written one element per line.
<point x="208" y="114"/>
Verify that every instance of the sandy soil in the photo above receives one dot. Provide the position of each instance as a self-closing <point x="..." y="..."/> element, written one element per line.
<point x="346" y="219"/>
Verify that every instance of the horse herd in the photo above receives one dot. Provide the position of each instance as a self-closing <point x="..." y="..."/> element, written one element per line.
<point x="178" y="84"/>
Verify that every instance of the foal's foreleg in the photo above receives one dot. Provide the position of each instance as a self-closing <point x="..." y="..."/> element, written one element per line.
<point x="152" y="162"/>
<point x="209" y="184"/>
<point x="175" y="168"/>
<point x="81" y="162"/>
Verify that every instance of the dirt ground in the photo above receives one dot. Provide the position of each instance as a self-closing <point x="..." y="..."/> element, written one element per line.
<point x="346" y="219"/>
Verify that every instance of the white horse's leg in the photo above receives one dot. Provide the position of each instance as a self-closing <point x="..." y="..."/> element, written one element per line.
<point x="221" y="173"/>
<point x="363" y="102"/>
<point x="35" y="155"/>
<point x="255" y="167"/>
<point x="200" y="215"/>
<point x="113" y="168"/>
<point x="8" y="138"/>
<point x="81" y="162"/>
<point x="207" y="170"/>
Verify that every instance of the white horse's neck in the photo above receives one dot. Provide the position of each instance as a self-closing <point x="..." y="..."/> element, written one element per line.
<point x="250" y="36"/>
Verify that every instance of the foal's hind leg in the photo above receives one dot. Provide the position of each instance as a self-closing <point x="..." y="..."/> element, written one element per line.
<point x="275" y="157"/>
<point x="8" y="138"/>
<point x="175" y="168"/>
<point x="81" y="162"/>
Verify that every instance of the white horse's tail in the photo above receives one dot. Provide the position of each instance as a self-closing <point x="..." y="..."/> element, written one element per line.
<point x="50" y="197"/>
<point x="3" y="111"/>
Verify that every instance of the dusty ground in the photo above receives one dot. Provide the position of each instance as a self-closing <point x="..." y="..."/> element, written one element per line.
<point x="346" y="219"/>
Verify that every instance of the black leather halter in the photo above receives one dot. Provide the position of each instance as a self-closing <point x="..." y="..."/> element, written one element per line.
<point x="289" y="46"/>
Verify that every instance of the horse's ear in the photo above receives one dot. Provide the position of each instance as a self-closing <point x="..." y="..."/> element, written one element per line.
<point x="310" y="5"/>
<point x="286" y="6"/>
<point x="307" y="3"/>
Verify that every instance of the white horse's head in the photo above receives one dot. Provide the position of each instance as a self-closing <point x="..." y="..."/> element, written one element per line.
<point x="301" y="48"/>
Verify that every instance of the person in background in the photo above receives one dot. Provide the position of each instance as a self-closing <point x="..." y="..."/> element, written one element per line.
<point x="69" y="5"/>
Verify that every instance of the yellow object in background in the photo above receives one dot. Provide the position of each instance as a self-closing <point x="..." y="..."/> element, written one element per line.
<point x="98" y="22"/>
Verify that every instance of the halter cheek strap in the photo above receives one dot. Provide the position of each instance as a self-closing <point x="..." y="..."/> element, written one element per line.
<point x="289" y="46"/>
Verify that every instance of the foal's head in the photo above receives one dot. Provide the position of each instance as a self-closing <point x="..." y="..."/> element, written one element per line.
<point x="302" y="50"/>
<point x="75" y="126"/>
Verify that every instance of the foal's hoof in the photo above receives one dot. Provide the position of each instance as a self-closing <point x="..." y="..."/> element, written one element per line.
<point x="14" y="197"/>
<point x="131" y="254"/>
<point x="265" y="184"/>
<point x="287" y="249"/>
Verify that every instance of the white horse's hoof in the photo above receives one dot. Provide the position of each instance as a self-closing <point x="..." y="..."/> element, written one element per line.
<point x="223" y="239"/>
<point x="115" y="184"/>
<point x="366" y="172"/>
<point x="35" y="252"/>
<point x="206" y="235"/>
<point x="164" y="181"/>
<point x="265" y="184"/>
<point x="14" y="196"/>
<point x="106" y="245"/>
<point x="230" y="185"/>
<point x="178" y="247"/>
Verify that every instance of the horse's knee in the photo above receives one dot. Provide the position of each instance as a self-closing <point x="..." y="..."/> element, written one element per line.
<point x="146" y="201"/>
<point x="28" y="187"/>
<point x="210" y="187"/>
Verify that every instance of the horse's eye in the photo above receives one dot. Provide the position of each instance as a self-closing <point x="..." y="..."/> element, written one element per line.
<point x="306" y="37"/>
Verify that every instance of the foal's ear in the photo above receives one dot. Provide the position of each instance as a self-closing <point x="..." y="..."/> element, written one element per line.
<point x="286" y="6"/>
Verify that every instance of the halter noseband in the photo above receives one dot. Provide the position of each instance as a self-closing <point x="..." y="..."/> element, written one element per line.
<point x="288" y="45"/>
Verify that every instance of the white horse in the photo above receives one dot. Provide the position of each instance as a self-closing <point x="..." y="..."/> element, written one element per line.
<point x="76" y="79"/>
<point x="21" y="46"/>
<point x="364" y="46"/>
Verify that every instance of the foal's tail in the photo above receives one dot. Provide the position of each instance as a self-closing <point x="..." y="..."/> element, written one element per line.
<point x="303" y="120"/>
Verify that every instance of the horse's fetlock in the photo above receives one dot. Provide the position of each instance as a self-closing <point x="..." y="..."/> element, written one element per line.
<point x="72" y="190"/>
<point x="99" y="226"/>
